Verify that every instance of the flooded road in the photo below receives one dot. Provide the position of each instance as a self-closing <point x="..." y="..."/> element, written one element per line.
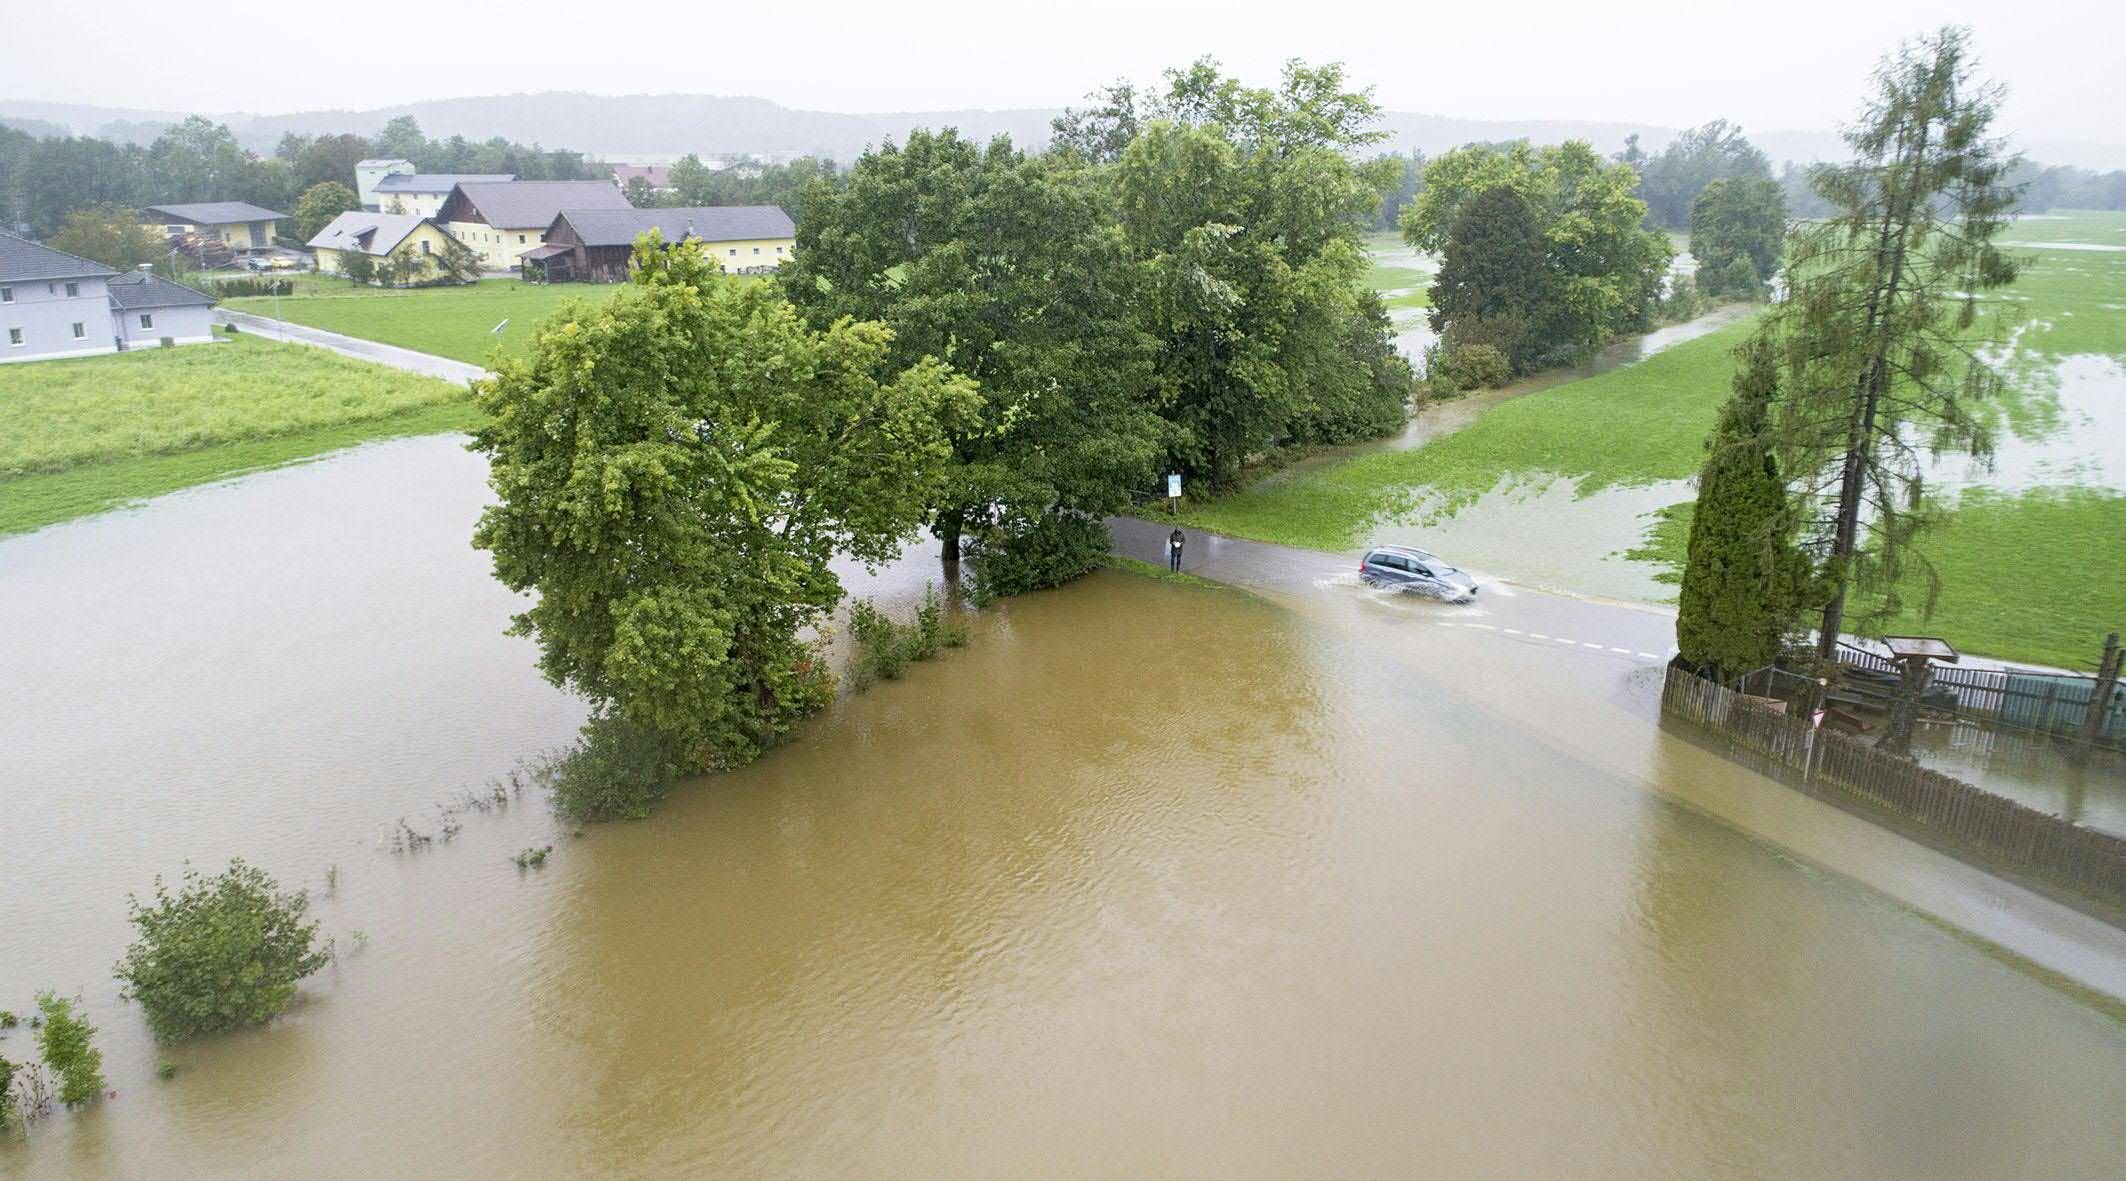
<point x="1149" y="880"/>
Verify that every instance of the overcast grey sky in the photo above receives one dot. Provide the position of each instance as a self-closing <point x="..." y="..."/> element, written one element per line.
<point x="1769" y="65"/>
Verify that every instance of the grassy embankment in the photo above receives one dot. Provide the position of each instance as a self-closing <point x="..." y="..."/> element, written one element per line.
<point x="1646" y="423"/>
<point x="80" y="437"/>
<point x="455" y="322"/>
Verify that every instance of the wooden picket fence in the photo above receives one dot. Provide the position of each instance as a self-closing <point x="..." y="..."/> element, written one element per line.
<point x="1775" y="743"/>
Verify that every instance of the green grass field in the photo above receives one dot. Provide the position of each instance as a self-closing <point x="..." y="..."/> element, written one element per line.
<point x="454" y="322"/>
<point x="1647" y="423"/>
<point x="78" y="437"/>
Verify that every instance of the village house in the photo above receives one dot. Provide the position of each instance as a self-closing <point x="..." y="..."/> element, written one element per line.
<point x="55" y="305"/>
<point x="593" y="245"/>
<point x="392" y="186"/>
<point x="503" y="220"/>
<point x="657" y="176"/>
<point x="379" y="236"/>
<point x="240" y="226"/>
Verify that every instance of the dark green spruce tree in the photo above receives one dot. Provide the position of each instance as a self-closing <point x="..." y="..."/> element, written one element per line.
<point x="1745" y="580"/>
<point x="1494" y="282"/>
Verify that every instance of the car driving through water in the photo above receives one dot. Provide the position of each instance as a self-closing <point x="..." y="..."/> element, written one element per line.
<point x="1399" y="567"/>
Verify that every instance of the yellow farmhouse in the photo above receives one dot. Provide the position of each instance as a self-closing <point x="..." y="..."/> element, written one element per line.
<point x="241" y="226"/>
<point x="381" y="236"/>
<point x="502" y="220"/>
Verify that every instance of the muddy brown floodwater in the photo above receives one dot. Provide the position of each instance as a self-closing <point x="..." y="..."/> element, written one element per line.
<point x="1149" y="880"/>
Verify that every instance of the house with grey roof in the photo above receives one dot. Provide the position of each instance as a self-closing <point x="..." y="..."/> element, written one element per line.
<point x="392" y="186"/>
<point x="501" y="220"/>
<point x="595" y="245"/>
<point x="239" y="224"/>
<point x="55" y="305"/>
<point x="150" y="310"/>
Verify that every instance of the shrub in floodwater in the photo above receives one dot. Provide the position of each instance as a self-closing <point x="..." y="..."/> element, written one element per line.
<point x="223" y="952"/>
<point x="532" y="858"/>
<point x="7" y="1094"/>
<point x="67" y="1041"/>
<point x="884" y="647"/>
<point x="166" y="1069"/>
<point x="1049" y="551"/>
<point x="8" y="1020"/>
<point x="616" y="770"/>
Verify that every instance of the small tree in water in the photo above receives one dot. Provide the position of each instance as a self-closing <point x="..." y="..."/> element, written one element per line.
<point x="1883" y="361"/>
<point x="221" y="953"/>
<point x="68" y="1043"/>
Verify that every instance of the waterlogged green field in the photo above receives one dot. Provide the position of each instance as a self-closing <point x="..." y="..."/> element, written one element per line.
<point x="1645" y="424"/>
<point x="78" y="437"/>
<point x="455" y="322"/>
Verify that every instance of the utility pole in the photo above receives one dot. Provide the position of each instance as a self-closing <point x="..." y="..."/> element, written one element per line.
<point x="2100" y="694"/>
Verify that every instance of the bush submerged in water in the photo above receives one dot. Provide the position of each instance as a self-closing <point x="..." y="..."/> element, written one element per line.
<point x="884" y="647"/>
<point x="1049" y="552"/>
<point x="615" y="771"/>
<point x="221" y="953"/>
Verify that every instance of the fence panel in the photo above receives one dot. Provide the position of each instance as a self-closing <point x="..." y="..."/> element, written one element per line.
<point x="2085" y="859"/>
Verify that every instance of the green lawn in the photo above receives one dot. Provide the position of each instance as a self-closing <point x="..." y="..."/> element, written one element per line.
<point x="78" y="437"/>
<point x="1647" y="422"/>
<point x="455" y="322"/>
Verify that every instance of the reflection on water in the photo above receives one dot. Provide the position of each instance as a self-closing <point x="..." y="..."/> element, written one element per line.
<point x="1148" y="880"/>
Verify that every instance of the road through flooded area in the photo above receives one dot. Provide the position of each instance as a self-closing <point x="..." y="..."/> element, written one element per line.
<point x="1150" y="879"/>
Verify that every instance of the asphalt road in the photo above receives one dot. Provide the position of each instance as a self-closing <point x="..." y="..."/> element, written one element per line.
<point x="352" y="346"/>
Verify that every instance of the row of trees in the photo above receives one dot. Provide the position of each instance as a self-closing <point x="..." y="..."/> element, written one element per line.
<point x="694" y="183"/>
<point x="43" y="179"/>
<point x="996" y="344"/>
<point x="1813" y="488"/>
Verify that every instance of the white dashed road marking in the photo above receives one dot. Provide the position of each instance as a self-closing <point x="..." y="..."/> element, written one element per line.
<point x="1568" y="642"/>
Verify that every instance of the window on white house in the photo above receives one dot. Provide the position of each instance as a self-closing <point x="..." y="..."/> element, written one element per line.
<point x="7" y="295"/>
<point x="146" y="320"/>
<point x="734" y="252"/>
<point x="425" y="247"/>
<point x="756" y="250"/>
<point x="72" y="290"/>
<point x="520" y="239"/>
<point x="80" y="330"/>
<point x="14" y="336"/>
<point x="778" y="250"/>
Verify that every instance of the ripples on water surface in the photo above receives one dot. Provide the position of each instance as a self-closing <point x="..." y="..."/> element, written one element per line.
<point x="1148" y="880"/>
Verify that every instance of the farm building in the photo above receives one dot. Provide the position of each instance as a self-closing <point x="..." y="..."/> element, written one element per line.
<point x="501" y="220"/>
<point x="240" y="226"/>
<point x="593" y="245"/>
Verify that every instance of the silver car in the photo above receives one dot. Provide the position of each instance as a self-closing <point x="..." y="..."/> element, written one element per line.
<point x="1402" y="568"/>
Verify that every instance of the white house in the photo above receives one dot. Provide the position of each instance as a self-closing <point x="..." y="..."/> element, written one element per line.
<point x="392" y="186"/>
<point x="54" y="305"/>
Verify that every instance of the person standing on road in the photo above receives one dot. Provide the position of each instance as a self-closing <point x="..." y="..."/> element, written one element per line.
<point x="1173" y="550"/>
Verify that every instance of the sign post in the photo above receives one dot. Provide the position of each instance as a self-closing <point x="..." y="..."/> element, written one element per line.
<point x="1173" y="493"/>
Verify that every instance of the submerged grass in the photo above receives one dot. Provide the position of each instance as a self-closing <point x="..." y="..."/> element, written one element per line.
<point x="1641" y="424"/>
<point x="82" y="436"/>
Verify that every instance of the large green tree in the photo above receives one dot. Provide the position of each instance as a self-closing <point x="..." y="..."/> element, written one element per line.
<point x="676" y="468"/>
<point x="1244" y="207"/>
<point x="1494" y="283"/>
<point x="1744" y="579"/>
<point x="110" y="234"/>
<point x="1011" y="270"/>
<point x="1737" y="229"/>
<point x="319" y="204"/>
<point x="1886" y="359"/>
<point x="1671" y="181"/>
<point x="1605" y="270"/>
